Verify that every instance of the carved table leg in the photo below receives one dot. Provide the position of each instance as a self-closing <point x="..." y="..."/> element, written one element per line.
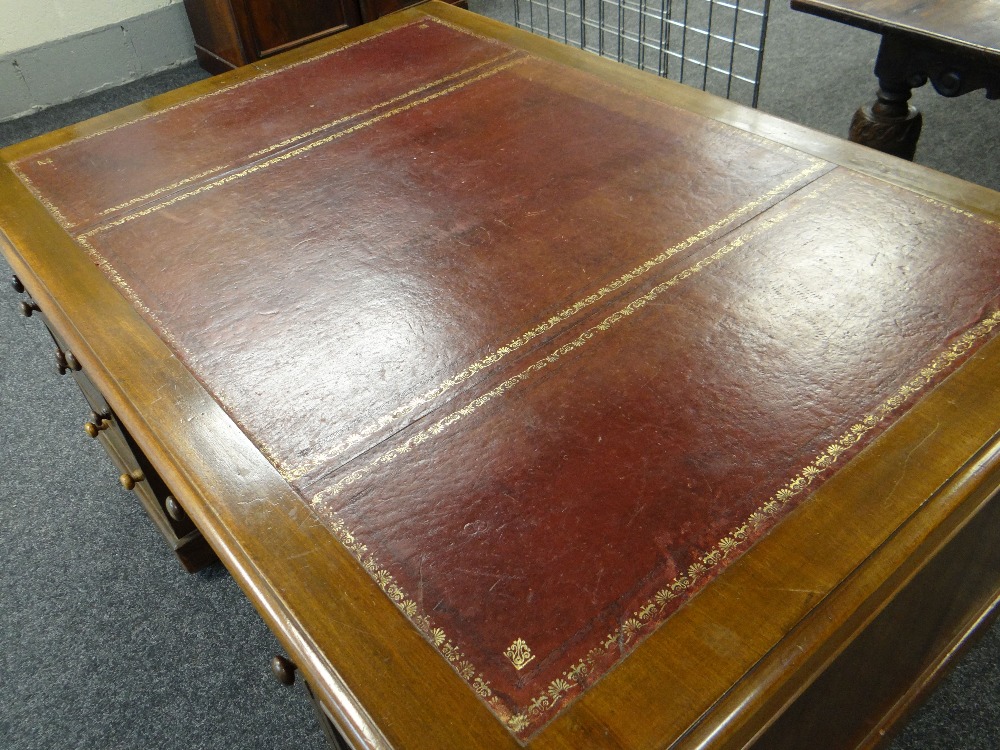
<point x="891" y="124"/>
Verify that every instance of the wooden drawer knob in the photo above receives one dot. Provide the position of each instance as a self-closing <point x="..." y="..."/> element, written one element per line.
<point x="66" y="361"/>
<point x="174" y="509"/>
<point x="29" y="308"/>
<point x="128" y="480"/>
<point x="93" y="429"/>
<point x="283" y="670"/>
<point x="16" y="283"/>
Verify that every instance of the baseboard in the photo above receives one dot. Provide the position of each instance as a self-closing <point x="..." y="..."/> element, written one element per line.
<point x="38" y="77"/>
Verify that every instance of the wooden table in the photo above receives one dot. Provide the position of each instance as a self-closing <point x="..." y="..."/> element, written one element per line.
<point x="954" y="45"/>
<point x="535" y="401"/>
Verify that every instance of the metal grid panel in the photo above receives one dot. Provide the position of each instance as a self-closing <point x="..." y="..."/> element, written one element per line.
<point x="715" y="45"/>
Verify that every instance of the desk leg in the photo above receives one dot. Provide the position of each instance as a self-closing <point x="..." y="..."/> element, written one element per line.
<point x="891" y="124"/>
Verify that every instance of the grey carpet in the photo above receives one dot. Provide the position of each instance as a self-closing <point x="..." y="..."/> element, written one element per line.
<point x="108" y="644"/>
<point x="817" y="72"/>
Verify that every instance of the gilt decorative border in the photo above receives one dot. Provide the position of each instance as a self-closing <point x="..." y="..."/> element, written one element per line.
<point x="519" y="721"/>
<point x="643" y="620"/>
<point x="305" y="148"/>
<point x="295" y="472"/>
<point x="581" y="340"/>
<point x="524" y="720"/>
<point x="541" y="708"/>
<point x="261" y="74"/>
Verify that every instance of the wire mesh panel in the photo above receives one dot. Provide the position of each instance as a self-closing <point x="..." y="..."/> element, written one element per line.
<point x="715" y="45"/>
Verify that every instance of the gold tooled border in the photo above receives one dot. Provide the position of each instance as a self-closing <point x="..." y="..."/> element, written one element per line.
<point x="581" y="340"/>
<point x="437" y="636"/>
<point x="267" y="74"/>
<point x="562" y="689"/>
<point x="644" y="619"/>
<point x="84" y="239"/>
<point x="307" y="134"/>
<point x="261" y="74"/>
<point x="300" y="470"/>
<point x="305" y="148"/>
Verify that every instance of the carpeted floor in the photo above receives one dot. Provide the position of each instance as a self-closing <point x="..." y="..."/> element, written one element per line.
<point x="108" y="644"/>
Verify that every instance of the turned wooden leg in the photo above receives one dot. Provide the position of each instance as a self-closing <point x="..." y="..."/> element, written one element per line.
<point x="891" y="124"/>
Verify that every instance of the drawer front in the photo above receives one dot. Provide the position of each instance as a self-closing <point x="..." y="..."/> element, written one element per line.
<point x="278" y="25"/>
<point x="137" y="474"/>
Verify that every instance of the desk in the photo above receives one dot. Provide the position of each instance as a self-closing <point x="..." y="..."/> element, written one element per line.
<point x="954" y="45"/>
<point x="535" y="401"/>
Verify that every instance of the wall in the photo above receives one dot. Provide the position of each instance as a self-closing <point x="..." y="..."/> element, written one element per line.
<point x="52" y="51"/>
<point x="29" y="23"/>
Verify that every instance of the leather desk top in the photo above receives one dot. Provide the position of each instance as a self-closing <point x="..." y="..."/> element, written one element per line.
<point x="544" y="354"/>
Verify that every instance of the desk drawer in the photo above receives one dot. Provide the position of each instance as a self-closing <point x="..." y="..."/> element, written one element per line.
<point x="137" y="473"/>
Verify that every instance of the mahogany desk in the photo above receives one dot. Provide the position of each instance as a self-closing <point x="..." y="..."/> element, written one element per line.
<point x="955" y="45"/>
<point x="535" y="401"/>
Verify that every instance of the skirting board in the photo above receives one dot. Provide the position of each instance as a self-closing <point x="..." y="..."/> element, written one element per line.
<point x="38" y="77"/>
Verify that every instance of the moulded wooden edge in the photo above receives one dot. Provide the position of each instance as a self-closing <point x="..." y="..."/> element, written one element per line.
<point x="894" y="719"/>
<point x="826" y="632"/>
<point x="809" y="587"/>
<point x="244" y="509"/>
<point x="378" y="660"/>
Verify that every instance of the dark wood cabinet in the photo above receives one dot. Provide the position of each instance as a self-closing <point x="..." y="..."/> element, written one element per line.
<point x="230" y="33"/>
